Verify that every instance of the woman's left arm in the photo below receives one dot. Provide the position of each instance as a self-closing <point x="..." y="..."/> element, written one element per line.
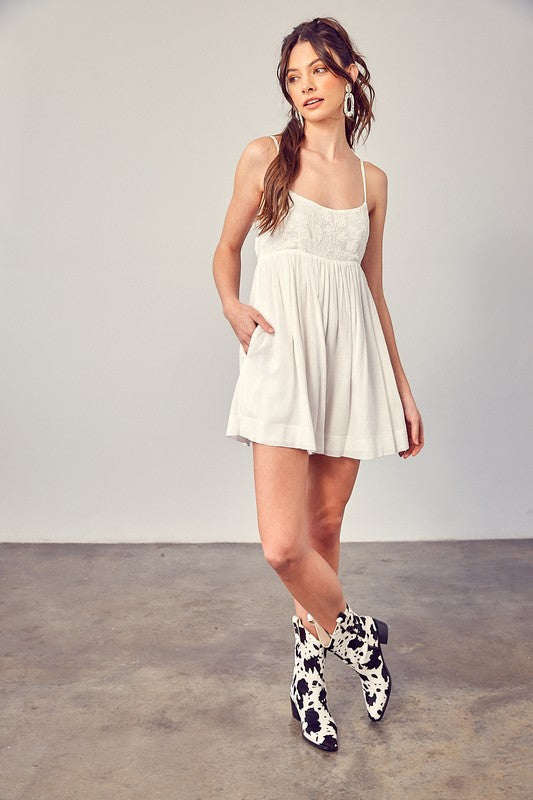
<point x="372" y="265"/>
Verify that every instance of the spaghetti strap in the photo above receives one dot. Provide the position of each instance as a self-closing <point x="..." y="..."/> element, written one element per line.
<point x="276" y="141"/>
<point x="364" y="178"/>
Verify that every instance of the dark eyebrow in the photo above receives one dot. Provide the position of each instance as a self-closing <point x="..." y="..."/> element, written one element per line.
<point x="293" y="69"/>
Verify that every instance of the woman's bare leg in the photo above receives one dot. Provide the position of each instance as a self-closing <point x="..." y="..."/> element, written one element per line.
<point x="330" y="482"/>
<point x="281" y="480"/>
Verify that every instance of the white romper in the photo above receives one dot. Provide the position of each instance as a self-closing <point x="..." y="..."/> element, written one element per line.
<point x="323" y="381"/>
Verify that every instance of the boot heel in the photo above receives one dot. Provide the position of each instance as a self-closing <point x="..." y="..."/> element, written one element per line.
<point x="295" y="711"/>
<point x="383" y="631"/>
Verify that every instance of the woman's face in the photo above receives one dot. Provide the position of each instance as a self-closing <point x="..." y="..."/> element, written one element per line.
<point x="308" y="76"/>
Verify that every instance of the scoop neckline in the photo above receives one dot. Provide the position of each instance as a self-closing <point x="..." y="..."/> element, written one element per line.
<point x="328" y="208"/>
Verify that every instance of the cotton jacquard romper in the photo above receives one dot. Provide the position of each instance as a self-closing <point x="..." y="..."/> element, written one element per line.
<point x="323" y="381"/>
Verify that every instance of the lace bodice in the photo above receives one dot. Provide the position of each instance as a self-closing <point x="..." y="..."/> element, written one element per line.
<point x="309" y="227"/>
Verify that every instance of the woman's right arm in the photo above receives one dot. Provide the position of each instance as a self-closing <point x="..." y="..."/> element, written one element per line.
<point x="240" y="216"/>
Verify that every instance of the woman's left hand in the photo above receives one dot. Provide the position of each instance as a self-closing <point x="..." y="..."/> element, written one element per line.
<point x="415" y="427"/>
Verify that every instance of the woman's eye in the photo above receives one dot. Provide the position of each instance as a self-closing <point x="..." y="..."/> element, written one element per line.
<point x="294" y="76"/>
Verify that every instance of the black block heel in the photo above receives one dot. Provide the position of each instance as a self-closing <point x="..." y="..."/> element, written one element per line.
<point x="383" y="631"/>
<point x="294" y="711"/>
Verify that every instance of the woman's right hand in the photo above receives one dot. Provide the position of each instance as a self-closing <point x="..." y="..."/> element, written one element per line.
<point x="242" y="317"/>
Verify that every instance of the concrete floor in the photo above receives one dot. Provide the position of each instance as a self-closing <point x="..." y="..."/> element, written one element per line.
<point x="163" y="671"/>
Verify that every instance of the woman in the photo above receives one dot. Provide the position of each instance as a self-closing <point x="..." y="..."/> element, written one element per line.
<point x="320" y="385"/>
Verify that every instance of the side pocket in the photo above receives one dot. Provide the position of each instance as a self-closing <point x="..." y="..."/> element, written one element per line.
<point x="252" y="339"/>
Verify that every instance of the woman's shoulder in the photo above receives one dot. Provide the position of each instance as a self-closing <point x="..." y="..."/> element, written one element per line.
<point x="375" y="173"/>
<point x="261" y="148"/>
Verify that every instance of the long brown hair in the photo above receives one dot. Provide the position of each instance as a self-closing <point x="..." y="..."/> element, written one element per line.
<point x="325" y="34"/>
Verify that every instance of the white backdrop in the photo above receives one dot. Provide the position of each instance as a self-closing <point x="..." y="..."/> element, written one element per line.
<point x="122" y="123"/>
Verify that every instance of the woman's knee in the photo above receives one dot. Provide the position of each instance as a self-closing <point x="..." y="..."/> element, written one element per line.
<point x="326" y="529"/>
<point x="284" y="557"/>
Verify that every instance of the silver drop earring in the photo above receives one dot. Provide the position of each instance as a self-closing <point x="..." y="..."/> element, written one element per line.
<point x="299" y="117"/>
<point x="349" y="102"/>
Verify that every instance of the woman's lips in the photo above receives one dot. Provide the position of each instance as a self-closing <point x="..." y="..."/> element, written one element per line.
<point x="315" y="105"/>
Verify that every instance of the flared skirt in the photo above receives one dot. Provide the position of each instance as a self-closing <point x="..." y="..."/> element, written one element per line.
<point x="323" y="381"/>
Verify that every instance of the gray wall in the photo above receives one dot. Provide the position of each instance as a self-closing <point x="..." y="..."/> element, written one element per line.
<point x="122" y="123"/>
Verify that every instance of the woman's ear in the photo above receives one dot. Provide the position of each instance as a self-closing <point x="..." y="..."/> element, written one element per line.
<point x="354" y="72"/>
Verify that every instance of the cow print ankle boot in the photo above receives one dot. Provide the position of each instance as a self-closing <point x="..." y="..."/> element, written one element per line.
<point x="308" y="690"/>
<point x="357" y="640"/>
